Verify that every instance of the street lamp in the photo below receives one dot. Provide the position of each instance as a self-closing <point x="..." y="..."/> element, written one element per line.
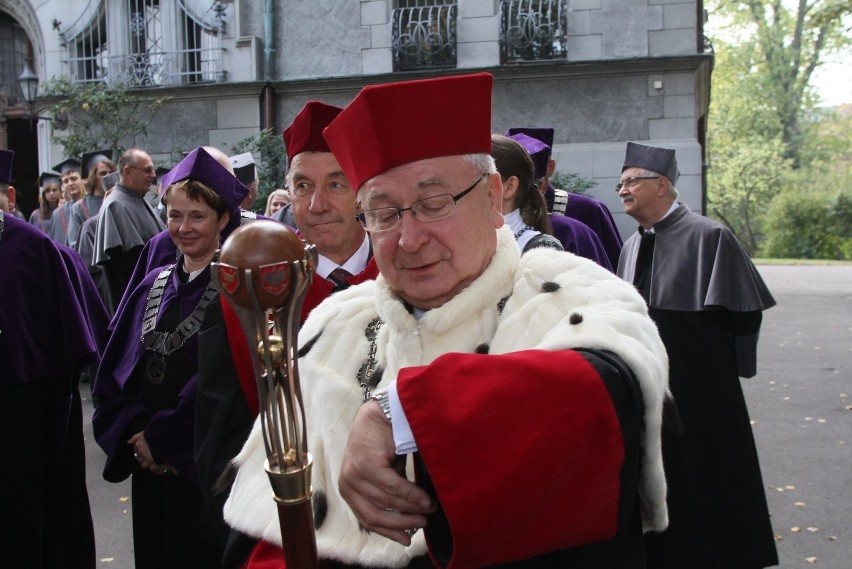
<point x="29" y="85"/>
<point x="28" y="81"/>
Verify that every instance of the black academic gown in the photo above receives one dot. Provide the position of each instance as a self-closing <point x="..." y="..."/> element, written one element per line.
<point x="706" y="298"/>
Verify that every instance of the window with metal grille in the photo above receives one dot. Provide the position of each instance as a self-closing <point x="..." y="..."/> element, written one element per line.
<point x="424" y="34"/>
<point x="151" y="42"/>
<point x="532" y="30"/>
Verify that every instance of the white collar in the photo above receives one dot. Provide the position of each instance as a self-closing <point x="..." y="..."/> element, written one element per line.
<point x="355" y="264"/>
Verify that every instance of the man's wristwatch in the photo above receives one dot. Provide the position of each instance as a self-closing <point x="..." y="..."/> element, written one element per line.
<point x="384" y="403"/>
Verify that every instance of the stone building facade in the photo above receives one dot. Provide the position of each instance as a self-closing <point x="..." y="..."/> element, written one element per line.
<point x="601" y="72"/>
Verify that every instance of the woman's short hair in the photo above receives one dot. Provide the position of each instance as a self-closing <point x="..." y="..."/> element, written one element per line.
<point x="197" y="191"/>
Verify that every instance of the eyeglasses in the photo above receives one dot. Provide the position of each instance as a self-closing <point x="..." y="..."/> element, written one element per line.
<point x="631" y="181"/>
<point x="148" y="170"/>
<point x="426" y="210"/>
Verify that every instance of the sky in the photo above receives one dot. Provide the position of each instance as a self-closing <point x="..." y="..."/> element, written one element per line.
<point x="833" y="82"/>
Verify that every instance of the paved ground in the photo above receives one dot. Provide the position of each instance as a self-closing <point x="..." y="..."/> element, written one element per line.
<point x="800" y="404"/>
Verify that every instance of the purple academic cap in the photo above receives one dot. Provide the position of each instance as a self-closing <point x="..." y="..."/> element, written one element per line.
<point x="538" y="151"/>
<point x="6" y="159"/>
<point x="544" y="134"/>
<point x="200" y="166"/>
<point x="68" y="165"/>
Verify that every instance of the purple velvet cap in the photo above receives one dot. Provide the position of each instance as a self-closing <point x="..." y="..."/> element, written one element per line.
<point x="6" y="159"/>
<point x="200" y="166"/>
<point x="544" y="134"/>
<point x="538" y="151"/>
<point x="659" y="160"/>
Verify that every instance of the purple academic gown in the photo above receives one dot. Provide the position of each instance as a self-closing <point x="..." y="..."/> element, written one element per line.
<point x="167" y="431"/>
<point x="45" y="341"/>
<point x="597" y="216"/>
<point x="170" y="524"/>
<point x="576" y="237"/>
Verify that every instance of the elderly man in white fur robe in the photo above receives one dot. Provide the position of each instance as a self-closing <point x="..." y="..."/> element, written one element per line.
<point x="471" y="407"/>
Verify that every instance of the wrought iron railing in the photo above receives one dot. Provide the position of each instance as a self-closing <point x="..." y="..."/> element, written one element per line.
<point x="151" y="69"/>
<point x="533" y="30"/>
<point x="424" y="37"/>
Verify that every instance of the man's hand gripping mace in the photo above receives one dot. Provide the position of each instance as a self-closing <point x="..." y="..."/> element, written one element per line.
<point x="264" y="269"/>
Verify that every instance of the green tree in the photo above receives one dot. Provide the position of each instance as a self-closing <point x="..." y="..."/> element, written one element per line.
<point x="572" y="182"/>
<point x="101" y="115"/>
<point x="781" y="47"/>
<point x="809" y="224"/>
<point x="272" y="166"/>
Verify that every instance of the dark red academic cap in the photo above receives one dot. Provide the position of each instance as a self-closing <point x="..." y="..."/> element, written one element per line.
<point x="6" y="159"/>
<point x="394" y="124"/>
<point x="305" y="132"/>
<point x="200" y="166"/>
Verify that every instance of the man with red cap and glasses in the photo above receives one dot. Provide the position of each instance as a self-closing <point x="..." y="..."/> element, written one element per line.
<point x="509" y="405"/>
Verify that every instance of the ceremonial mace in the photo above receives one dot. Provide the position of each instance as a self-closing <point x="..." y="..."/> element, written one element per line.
<point x="265" y="270"/>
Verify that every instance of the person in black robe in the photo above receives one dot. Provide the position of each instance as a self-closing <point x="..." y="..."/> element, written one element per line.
<point x="707" y="298"/>
<point x="147" y="388"/>
<point x="51" y="326"/>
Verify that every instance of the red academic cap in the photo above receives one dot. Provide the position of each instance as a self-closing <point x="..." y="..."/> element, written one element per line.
<point x="390" y="125"/>
<point x="305" y="133"/>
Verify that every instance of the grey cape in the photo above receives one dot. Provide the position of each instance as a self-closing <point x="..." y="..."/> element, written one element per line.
<point x="699" y="265"/>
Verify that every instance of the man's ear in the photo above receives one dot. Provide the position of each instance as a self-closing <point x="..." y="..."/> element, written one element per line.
<point x="551" y="167"/>
<point x="495" y="195"/>
<point x="10" y="193"/>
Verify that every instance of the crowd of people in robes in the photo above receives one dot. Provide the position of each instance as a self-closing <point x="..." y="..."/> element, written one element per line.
<point x="448" y="268"/>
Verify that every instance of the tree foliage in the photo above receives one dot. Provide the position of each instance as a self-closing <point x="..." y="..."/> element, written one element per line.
<point x="101" y="115"/>
<point x="272" y="165"/>
<point x="783" y="47"/>
<point x="767" y="141"/>
<point x="572" y="182"/>
<point x="810" y="226"/>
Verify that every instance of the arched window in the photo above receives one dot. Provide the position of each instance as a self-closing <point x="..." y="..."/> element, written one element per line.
<point x="15" y="49"/>
<point x="147" y="42"/>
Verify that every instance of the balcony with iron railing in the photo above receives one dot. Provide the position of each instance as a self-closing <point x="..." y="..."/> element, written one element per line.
<point x="424" y="37"/>
<point x="532" y="30"/>
<point x="150" y="69"/>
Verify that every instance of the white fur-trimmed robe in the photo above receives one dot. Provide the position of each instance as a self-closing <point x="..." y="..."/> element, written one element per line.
<point x="614" y="318"/>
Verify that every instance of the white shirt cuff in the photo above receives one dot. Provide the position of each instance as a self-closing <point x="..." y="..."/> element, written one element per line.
<point x="403" y="438"/>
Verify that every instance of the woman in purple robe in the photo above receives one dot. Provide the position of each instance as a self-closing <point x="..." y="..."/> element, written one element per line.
<point x="147" y="387"/>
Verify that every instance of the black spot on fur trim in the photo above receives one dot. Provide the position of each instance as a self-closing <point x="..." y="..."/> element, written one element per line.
<point x="575" y="318"/>
<point x="303" y="351"/>
<point x="482" y="349"/>
<point x="502" y="304"/>
<point x="320" y="507"/>
<point x="550" y="286"/>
